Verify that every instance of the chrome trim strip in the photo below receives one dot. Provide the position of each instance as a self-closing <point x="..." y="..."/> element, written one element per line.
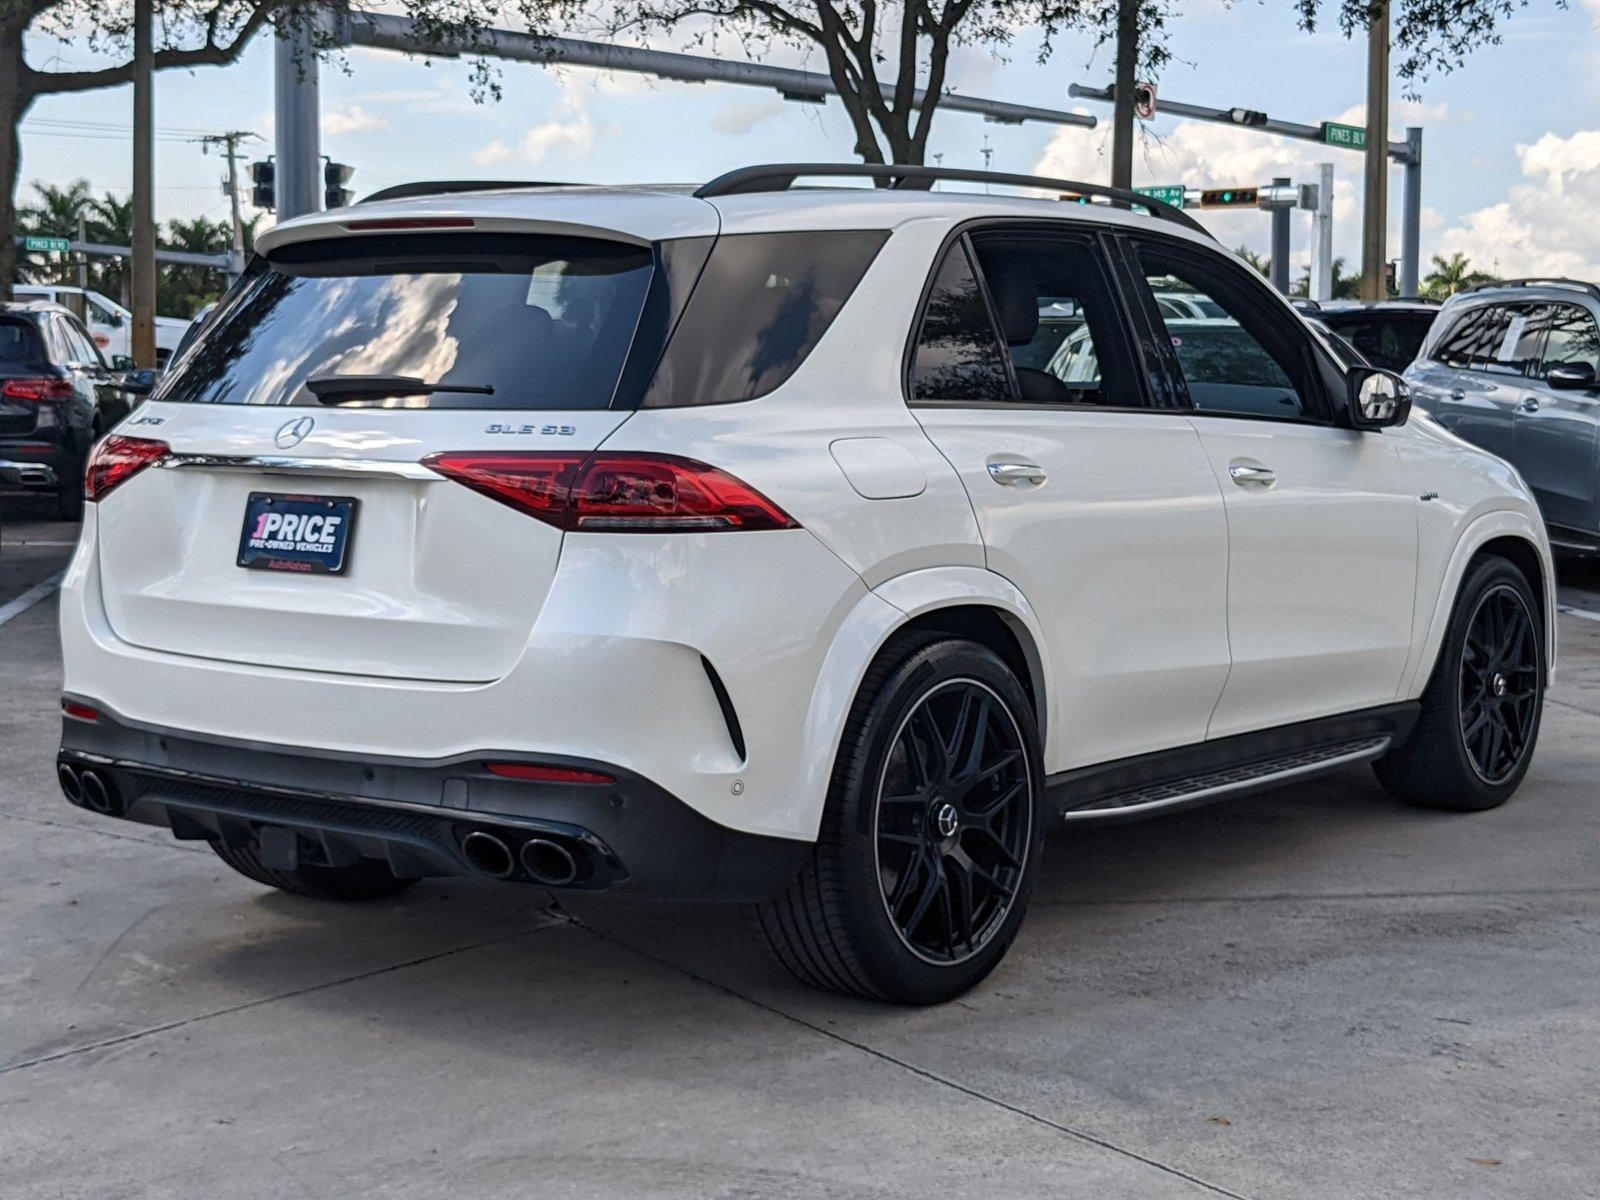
<point x="1232" y="788"/>
<point x="271" y="464"/>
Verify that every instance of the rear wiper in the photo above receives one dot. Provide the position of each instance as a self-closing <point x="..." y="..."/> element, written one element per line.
<point x="336" y="389"/>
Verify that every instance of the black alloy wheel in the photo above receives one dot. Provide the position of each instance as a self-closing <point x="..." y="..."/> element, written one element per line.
<point x="953" y="822"/>
<point x="1499" y="684"/>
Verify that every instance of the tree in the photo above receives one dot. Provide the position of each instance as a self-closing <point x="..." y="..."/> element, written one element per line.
<point x="189" y="33"/>
<point x="1345" y="287"/>
<point x="858" y="38"/>
<point x="1261" y="262"/>
<point x="1451" y="275"/>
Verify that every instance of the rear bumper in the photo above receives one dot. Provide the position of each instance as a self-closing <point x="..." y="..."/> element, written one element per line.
<point x="416" y="814"/>
<point x="36" y="463"/>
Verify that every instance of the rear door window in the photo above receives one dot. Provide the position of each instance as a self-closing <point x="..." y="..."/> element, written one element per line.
<point x="1475" y="340"/>
<point x="486" y="321"/>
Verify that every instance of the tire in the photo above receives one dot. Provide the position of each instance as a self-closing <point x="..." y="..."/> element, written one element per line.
<point x="1449" y="761"/>
<point x="69" y="495"/>
<point x="968" y="843"/>
<point x="367" y="879"/>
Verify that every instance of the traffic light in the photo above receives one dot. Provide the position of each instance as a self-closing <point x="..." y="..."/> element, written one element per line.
<point x="264" y="185"/>
<point x="1247" y="197"/>
<point x="334" y="177"/>
<point x="1074" y="198"/>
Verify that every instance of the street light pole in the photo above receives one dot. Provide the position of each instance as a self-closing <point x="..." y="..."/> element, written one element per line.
<point x="1122" y="97"/>
<point x="1375" y="198"/>
<point x="142" y="266"/>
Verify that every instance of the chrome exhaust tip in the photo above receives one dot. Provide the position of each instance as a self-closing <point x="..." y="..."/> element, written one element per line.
<point x="98" y="792"/>
<point x="548" y="862"/>
<point x="488" y="854"/>
<point x="71" y="787"/>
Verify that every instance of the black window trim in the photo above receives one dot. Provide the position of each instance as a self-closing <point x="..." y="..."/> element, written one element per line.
<point x="1324" y="370"/>
<point x="1089" y="231"/>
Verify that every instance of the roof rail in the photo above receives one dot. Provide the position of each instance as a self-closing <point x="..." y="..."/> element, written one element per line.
<point x="779" y="177"/>
<point x="1535" y="281"/>
<point x="445" y="187"/>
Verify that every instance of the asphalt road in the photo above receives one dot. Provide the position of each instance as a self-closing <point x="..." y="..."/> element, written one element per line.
<point x="1314" y="993"/>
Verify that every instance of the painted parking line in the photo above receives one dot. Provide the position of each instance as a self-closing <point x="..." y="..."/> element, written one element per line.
<point x="15" y="608"/>
<point x="1578" y="612"/>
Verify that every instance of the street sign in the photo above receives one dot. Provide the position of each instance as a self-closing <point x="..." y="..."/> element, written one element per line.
<point x="1167" y="193"/>
<point x="1241" y="197"/>
<point x="1350" y="137"/>
<point x="46" y="245"/>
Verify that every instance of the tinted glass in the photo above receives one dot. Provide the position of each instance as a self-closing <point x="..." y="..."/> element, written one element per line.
<point x="1476" y="337"/>
<point x="1246" y="362"/>
<point x="1059" y="318"/>
<point x="19" y="343"/>
<point x="958" y="355"/>
<point x="541" y="322"/>
<point x="1389" y="340"/>
<point x="761" y="305"/>
<point x="81" y="344"/>
<point x="1572" y="338"/>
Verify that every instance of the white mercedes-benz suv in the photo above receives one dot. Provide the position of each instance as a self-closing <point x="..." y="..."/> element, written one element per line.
<point x="755" y="543"/>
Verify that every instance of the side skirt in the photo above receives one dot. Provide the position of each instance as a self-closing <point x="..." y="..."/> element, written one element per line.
<point x="1171" y="780"/>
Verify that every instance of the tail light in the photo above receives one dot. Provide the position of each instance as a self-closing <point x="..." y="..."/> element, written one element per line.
<point x="118" y="459"/>
<point x="37" y="390"/>
<point x="615" y="493"/>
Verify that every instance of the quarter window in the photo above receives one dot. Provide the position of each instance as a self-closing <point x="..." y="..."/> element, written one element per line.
<point x="958" y="354"/>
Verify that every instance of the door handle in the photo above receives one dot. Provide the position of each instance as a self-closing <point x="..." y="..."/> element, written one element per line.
<point x="1010" y="473"/>
<point x="1247" y="474"/>
<point x="1530" y="404"/>
<point x="1456" y="394"/>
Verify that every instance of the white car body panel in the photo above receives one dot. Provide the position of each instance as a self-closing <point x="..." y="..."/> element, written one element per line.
<point x="470" y="627"/>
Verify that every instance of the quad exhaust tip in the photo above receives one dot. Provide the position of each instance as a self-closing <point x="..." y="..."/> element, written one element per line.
<point x="548" y="862"/>
<point x="71" y="786"/>
<point x="489" y="854"/>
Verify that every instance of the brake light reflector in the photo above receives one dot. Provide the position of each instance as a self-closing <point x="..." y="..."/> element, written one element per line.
<point x="79" y="712"/>
<point x="615" y="492"/>
<point x="533" y="773"/>
<point x="37" y="389"/>
<point x="117" y="459"/>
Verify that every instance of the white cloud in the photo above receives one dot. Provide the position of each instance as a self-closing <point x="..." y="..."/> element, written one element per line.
<point x="570" y="132"/>
<point x="742" y="116"/>
<point x="353" y="119"/>
<point x="1546" y="224"/>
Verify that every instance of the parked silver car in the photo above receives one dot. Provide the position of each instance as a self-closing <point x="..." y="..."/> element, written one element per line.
<point x="1514" y="367"/>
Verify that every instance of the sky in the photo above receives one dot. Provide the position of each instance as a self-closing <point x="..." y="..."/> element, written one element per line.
<point x="1511" y="174"/>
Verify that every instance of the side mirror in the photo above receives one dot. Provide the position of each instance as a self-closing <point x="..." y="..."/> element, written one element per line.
<point x="121" y="362"/>
<point x="140" y="383"/>
<point x="1378" y="399"/>
<point x="1571" y="377"/>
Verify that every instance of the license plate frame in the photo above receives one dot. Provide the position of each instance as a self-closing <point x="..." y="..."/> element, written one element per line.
<point x="321" y="554"/>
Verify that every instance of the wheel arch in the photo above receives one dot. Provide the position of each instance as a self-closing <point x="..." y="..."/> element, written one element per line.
<point x="968" y="602"/>
<point x="1508" y="534"/>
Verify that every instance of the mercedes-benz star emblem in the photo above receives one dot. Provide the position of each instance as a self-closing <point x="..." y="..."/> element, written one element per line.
<point x="292" y="433"/>
<point x="946" y="820"/>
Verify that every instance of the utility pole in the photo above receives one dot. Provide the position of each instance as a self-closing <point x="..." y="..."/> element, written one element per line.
<point x="142" y="267"/>
<point x="1122" y="96"/>
<point x="1375" y="200"/>
<point x="83" y="259"/>
<point x="1281" y="216"/>
<point x="1322" y="236"/>
<point x="230" y="149"/>
<point x="296" y="109"/>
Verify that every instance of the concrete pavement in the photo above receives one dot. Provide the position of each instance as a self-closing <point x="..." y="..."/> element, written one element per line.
<point x="1315" y="993"/>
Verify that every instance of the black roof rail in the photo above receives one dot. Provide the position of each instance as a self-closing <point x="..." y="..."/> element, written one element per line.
<point x="445" y="187"/>
<point x="1535" y="281"/>
<point x="779" y="177"/>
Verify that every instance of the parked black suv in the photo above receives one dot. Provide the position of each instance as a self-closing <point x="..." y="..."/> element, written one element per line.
<point x="56" y="396"/>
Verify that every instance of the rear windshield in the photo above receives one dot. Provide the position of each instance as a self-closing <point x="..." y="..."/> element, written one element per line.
<point x="19" y="343"/>
<point x="1389" y="340"/>
<point x="486" y="321"/>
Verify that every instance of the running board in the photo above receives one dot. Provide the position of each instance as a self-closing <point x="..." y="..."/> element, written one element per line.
<point x="1172" y="795"/>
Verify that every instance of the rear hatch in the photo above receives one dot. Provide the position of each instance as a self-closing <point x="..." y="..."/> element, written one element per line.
<point x="319" y="386"/>
<point x="22" y="358"/>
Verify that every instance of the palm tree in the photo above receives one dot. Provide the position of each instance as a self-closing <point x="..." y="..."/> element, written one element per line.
<point x="1345" y="287"/>
<point x="53" y="213"/>
<point x="1450" y="276"/>
<point x="1260" y="262"/>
